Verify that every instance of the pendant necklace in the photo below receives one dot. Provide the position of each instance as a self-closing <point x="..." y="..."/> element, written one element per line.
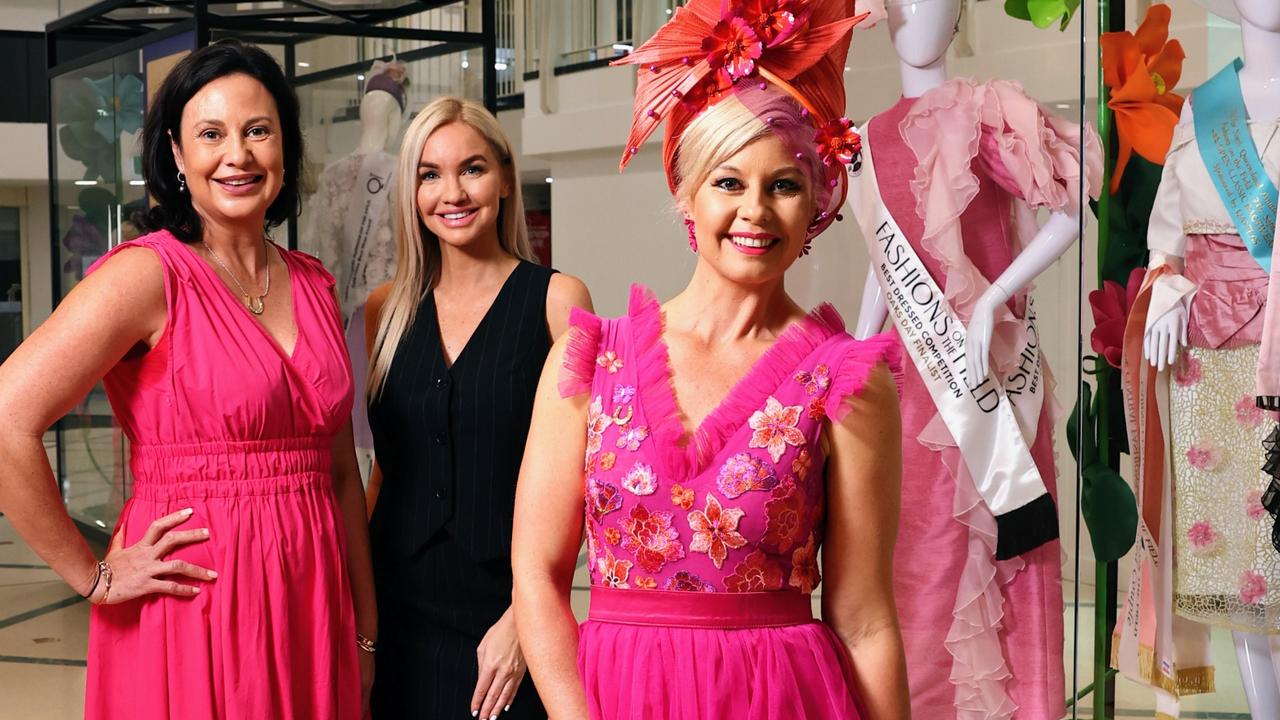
<point x="255" y="304"/>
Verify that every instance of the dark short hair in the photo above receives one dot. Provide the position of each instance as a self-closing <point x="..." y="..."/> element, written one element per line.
<point x="173" y="210"/>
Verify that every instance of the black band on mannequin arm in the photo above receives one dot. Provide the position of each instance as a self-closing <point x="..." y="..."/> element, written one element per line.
<point x="1026" y="528"/>
<point x="1271" y="498"/>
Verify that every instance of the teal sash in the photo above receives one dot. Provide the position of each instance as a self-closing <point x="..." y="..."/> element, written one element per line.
<point x="1222" y="132"/>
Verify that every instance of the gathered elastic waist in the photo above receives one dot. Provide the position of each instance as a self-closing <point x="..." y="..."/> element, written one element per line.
<point x="725" y="611"/>
<point x="226" y="469"/>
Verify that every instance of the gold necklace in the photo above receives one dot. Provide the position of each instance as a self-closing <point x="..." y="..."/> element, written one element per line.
<point x="255" y="304"/>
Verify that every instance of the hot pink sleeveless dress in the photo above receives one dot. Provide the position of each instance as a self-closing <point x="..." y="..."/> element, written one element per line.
<point x="223" y="421"/>
<point x="703" y="550"/>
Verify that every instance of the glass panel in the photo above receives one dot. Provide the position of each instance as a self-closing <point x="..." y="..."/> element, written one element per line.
<point x="88" y="210"/>
<point x="10" y="280"/>
<point x="338" y="139"/>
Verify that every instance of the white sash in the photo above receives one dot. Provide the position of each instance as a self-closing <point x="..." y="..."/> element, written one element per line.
<point x="993" y="425"/>
<point x="366" y="211"/>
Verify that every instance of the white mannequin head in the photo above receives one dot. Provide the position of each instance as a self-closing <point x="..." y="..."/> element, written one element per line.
<point x="380" y="119"/>
<point x="922" y="30"/>
<point x="1262" y="14"/>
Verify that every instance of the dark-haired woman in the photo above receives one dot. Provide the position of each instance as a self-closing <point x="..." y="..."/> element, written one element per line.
<point x="237" y="583"/>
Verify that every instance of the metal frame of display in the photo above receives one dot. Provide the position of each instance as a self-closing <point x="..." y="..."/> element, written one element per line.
<point x="91" y="35"/>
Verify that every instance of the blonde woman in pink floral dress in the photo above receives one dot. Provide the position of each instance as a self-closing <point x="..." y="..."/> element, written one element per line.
<point x="706" y="448"/>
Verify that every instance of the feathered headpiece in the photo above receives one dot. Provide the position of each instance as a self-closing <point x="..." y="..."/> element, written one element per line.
<point x="711" y="47"/>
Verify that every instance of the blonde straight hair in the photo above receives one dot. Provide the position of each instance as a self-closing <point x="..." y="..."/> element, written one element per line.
<point x="417" y="248"/>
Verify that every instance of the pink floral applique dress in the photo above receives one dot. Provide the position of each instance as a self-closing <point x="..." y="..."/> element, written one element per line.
<point x="703" y="550"/>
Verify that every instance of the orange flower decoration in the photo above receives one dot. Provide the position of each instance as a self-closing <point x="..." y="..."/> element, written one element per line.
<point x="1141" y="69"/>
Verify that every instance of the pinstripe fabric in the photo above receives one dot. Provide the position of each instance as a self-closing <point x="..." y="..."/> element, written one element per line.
<point x="449" y="441"/>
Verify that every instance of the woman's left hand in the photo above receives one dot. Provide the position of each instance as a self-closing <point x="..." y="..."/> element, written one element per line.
<point x="366" y="681"/>
<point x="502" y="668"/>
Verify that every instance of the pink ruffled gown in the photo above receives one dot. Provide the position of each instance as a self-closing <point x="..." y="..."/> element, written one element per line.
<point x="223" y="421"/>
<point x="703" y="550"/>
<point x="984" y="640"/>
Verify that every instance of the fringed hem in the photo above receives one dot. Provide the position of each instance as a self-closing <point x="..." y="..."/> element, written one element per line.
<point x="657" y="390"/>
<point x="852" y="375"/>
<point x="1271" y="498"/>
<point x="579" y="368"/>
<point x="1184" y="681"/>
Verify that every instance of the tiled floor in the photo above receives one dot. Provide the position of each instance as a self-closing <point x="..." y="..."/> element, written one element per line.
<point x="44" y="625"/>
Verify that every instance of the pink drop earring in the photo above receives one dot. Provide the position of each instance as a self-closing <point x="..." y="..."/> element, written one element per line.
<point x="693" y="237"/>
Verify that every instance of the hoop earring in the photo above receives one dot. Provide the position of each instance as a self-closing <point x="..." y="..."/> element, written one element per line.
<point x="182" y="183"/>
<point x="693" y="238"/>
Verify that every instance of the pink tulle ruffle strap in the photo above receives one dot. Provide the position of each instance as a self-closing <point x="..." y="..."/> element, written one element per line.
<point x="579" y="368"/>
<point x="860" y="359"/>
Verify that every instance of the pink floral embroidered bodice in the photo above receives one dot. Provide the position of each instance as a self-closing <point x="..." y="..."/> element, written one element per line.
<point x="738" y="504"/>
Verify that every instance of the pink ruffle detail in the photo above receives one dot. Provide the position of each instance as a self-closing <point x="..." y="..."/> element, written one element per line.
<point x="852" y="374"/>
<point x="978" y="670"/>
<point x="579" y="368"/>
<point x="1031" y="153"/>
<point x="657" y="393"/>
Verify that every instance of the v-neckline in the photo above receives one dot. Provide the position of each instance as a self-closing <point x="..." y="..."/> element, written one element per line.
<point x="697" y="446"/>
<point x="244" y="312"/>
<point x="435" y="316"/>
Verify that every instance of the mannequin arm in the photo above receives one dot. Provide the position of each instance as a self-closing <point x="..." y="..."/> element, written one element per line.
<point x="1166" y="332"/>
<point x="1054" y="238"/>
<point x="873" y="310"/>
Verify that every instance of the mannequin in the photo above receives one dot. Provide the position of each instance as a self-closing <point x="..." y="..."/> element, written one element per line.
<point x="349" y="222"/>
<point x="1257" y="653"/>
<point x="982" y="619"/>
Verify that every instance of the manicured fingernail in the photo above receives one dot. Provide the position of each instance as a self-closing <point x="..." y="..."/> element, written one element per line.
<point x="493" y="716"/>
<point x="188" y="511"/>
<point x="205" y="532"/>
<point x="195" y="590"/>
<point x="475" y="713"/>
<point x="507" y="708"/>
<point x="213" y="573"/>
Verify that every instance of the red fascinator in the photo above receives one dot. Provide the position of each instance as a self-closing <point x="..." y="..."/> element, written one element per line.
<point x="711" y="47"/>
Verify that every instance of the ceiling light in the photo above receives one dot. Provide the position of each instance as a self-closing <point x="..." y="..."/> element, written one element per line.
<point x="549" y="179"/>
<point x="85" y="183"/>
<point x="137" y="183"/>
<point x="302" y="64"/>
<point x="499" y="66"/>
<point x="623" y="47"/>
<point x="465" y="64"/>
<point x="360" y="77"/>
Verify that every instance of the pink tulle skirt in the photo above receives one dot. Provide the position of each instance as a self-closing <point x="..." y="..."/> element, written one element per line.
<point x="654" y="655"/>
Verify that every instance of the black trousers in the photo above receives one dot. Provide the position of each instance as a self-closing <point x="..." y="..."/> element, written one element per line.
<point x="434" y="607"/>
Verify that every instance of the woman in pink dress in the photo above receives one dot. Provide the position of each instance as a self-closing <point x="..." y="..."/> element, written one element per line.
<point x="237" y="582"/>
<point x="708" y="491"/>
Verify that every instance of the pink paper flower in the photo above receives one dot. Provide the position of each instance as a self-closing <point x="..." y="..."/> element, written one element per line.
<point x="1253" y="505"/>
<point x="1253" y="587"/>
<point x="610" y="362"/>
<point x="1203" y="538"/>
<point x="805" y="575"/>
<point x="1187" y="371"/>
<point x="775" y="427"/>
<point x="743" y="473"/>
<point x="733" y="48"/>
<point x="1247" y="412"/>
<point x="640" y="480"/>
<point x="631" y="437"/>
<point x="715" y="530"/>
<point x="1205" y="455"/>
<point x="650" y="537"/>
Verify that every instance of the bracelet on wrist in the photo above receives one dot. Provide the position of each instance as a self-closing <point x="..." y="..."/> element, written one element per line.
<point x="366" y="644"/>
<point x="97" y="577"/>
<point x="105" y="575"/>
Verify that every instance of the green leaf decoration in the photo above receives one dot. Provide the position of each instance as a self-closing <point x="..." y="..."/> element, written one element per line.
<point x="1108" y="506"/>
<point x="1043" y="13"/>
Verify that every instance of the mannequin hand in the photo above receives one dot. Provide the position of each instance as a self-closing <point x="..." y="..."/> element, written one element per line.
<point x="977" y="342"/>
<point x="1162" y="339"/>
<point x="141" y="568"/>
<point x="502" y="668"/>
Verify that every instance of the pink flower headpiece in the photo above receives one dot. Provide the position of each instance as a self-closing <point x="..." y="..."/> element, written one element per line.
<point x="711" y="47"/>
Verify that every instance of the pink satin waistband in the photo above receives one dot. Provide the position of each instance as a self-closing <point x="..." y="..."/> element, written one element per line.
<point x="725" y="611"/>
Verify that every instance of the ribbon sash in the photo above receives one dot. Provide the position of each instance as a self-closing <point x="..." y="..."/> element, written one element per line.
<point x="366" y="211"/>
<point x="1228" y="151"/>
<point x="992" y="425"/>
